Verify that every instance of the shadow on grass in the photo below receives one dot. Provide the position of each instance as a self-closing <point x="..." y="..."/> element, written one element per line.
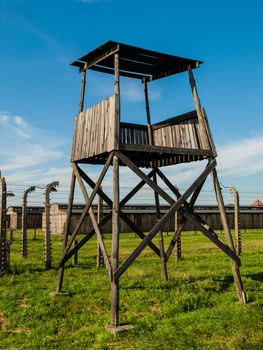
<point x="255" y="276"/>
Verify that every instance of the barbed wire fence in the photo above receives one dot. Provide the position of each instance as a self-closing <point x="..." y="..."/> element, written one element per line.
<point x="35" y="219"/>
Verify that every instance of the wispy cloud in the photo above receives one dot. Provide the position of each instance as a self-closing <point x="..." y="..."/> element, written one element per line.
<point x="241" y="158"/>
<point x="17" y="124"/>
<point x="25" y="148"/>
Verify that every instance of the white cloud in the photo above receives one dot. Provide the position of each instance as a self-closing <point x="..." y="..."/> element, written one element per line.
<point x="241" y="158"/>
<point x="17" y="123"/>
<point x="24" y="149"/>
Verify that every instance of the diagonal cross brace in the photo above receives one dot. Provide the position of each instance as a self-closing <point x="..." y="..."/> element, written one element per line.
<point x="122" y="203"/>
<point x="84" y="240"/>
<point x="88" y="204"/>
<point x="175" y="206"/>
<point x="183" y="220"/>
<point x="189" y="214"/>
<point x="124" y="217"/>
<point x="213" y="237"/>
<point x="94" y="222"/>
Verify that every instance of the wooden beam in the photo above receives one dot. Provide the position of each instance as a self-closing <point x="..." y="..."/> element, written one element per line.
<point x="156" y="196"/>
<point x="93" y="221"/>
<point x="209" y="133"/>
<point x="202" y="127"/>
<point x="115" y="245"/>
<point x="83" y="241"/>
<point x="175" y="238"/>
<point x="162" y="149"/>
<point x="100" y="58"/>
<point x="145" y="178"/>
<point x="213" y="237"/>
<point x="106" y="199"/>
<point x="82" y="91"/>
<point x="100" y="260"/>
<point x="76" y="170"/>
<point x="139" y="232"/>
<point x="161" y="241"/>
<point x="134" y="190"/>
<point x="66" y="232"/>
<point x="162" y="221"/>
<point x="111" y="71"/>
<point x="235" y="267"/>
<point x="116" y="126"/>
<point x="175" y="120"/>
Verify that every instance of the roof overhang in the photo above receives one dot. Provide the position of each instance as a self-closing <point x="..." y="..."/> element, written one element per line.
<point x="134" y="62"/>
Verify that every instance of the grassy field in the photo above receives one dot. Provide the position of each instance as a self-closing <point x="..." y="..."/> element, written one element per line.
<point x="196" y="309"/>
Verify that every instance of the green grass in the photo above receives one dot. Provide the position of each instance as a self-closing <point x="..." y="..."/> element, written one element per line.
<point x="196" y="309"/>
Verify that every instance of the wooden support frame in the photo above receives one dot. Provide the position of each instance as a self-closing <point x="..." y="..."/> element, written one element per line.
<point x="100" y="260"/>
<point x="121" y="153"/>
<point x="183" y="205"/>
<point x="156" y="196"/>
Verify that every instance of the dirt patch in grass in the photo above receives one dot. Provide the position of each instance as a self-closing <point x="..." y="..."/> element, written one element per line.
<point x="3" y="322"/>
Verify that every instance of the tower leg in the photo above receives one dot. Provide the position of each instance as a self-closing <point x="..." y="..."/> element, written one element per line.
<point x="161" y="241"/>
<point x="100" y="260"/>
<point x="235" y="268"/>
<point x="66" y="233"/>
<point x="115" y="322"/>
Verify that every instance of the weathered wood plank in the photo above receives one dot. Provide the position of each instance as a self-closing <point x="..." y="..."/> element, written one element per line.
<point x="161" y="149"/>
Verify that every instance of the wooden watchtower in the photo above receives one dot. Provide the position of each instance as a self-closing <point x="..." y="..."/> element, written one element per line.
<point x="100" y="137"/>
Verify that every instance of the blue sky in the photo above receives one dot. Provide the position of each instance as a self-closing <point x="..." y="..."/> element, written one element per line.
<point x="40" y="91"/>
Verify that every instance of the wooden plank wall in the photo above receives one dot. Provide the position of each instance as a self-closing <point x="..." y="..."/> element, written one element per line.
<point x="93" y="133"/>
<point x="183" y="134"/>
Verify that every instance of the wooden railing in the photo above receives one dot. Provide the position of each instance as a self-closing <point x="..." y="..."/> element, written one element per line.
<point x="94" y="134"/>
<point x="178" y="132"/>
<point x="135" y="134"/>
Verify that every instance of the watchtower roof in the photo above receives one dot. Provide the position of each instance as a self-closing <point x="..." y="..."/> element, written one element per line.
<point x="135" y="62"/>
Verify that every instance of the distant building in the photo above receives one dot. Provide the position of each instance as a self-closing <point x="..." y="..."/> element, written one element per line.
<point x="144" y="216"/>
<point x="257" y="203"/>
<point x="34" y="217"/>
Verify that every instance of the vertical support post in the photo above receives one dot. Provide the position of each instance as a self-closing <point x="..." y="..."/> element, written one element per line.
<point x="115" y="319"/>
<point x="116" y="126"/>
<point x="115" y="245"/>
<point x="82" y="91"/>
<point x="161" y="240"/>
<point x="66" y="232"/>
<point x="50" y="187"/>
<point x="71" y="194"/>
<point x="24" y="222"/>
<point x="100" y="260"/>
<point x="3" y="241"/>
<point x="236" y="220"/>
<point x="156" y="196"/>
<point x="178" y="242"/>
<point x="235" y="268"/>
<point x="201" y="120"/>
